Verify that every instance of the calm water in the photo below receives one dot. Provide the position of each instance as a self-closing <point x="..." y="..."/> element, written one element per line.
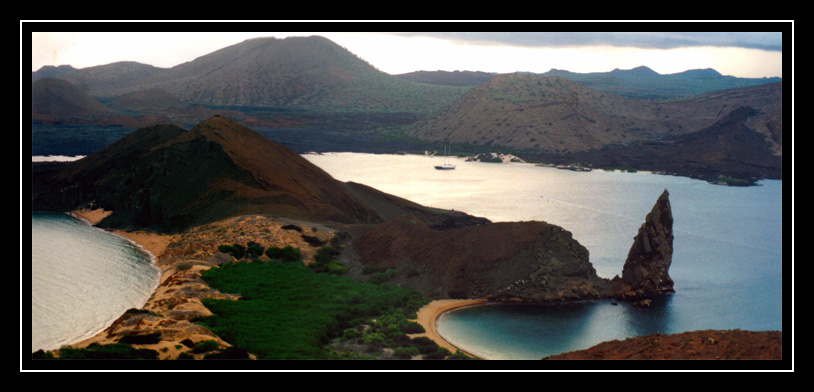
<point x="727" y="260"/>
<point x="82" y="279"/>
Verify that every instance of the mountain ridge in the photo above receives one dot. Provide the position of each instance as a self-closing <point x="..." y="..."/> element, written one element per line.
<point x="295" y="72"/>
<point x="555" y="114"/>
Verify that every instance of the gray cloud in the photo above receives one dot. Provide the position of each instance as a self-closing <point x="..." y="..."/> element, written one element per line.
<point x="771" y="41"/>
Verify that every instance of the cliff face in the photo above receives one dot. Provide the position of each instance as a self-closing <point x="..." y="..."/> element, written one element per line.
<point x="515" y="261"/>
<point x="502" y="261"/>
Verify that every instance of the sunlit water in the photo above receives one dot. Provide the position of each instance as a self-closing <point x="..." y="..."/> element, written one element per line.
<point x="727" y="260"/>
<point x="82" y="279"/>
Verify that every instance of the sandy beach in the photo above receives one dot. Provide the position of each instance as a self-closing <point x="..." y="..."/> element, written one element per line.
<point x="428" y="315"/>
<point x="173" y="302"/>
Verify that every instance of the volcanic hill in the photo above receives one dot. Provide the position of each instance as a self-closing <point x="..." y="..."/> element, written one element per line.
<point x="310" y="73"/>
<point x="555" y="115"/>
<point x="166" y="178"/>
<point x="56" y="99"/>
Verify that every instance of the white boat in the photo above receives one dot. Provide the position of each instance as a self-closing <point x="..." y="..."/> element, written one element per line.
<point x="445" y="166"/>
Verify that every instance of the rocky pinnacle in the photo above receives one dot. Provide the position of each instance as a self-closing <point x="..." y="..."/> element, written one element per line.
<point x="648" y="261"/>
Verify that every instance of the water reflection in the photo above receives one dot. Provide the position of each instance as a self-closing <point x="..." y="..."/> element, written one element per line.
<point x="511" y="331"/>
<point x="657" y="318"/>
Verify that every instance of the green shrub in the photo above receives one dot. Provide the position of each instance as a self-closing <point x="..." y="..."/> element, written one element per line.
<point x="325" y="261"/>
<point x="351" y="333"/>
<point x="286" y="254"/>
<point x="440" y="353"/>
<point x="405" y="352"/>
<point x="108" y="351"/>
<point x="382" y="277"/>
<point x="254" y="250"/>
<point x="424" y="345"/>
<point x="313" y="241"/>
<point x="292" y="312"/>
<point x="205" y="346"/>
<point x="460" y="355"/>
<point x="237" y="251"/>
<point x="326" y="254"/>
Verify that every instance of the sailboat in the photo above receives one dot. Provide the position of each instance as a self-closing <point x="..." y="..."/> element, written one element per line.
<point x="446" y="165"/>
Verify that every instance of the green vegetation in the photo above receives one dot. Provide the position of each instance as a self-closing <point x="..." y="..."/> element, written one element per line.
<point x="237" y="251"/>
<point x="286" y="254"/>
<point x="732" y="181"/>
<point x="325" y="261"/>
<point x="628" y="169"/>
<point x="205" y="346"/>
<point x="97" y="351"/>
<point x="290" y="312"/>
<point x="383" y="276"/>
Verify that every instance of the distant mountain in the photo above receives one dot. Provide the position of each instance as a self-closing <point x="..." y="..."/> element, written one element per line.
<point x="637" y="83"/>
<point x="113" y="79"/>
<point x="644" y="83"/>
<point x="310" y="73"/>
<point x="556" y="115"/>
<point x="455" y="78"/>
<point x="640" y="71"/>
<point x="166" y="178"/>
<point x="50" y="71"/>
<point x="154" y="99"/>
<point x="56" y="99"/>
<point x="729" y="151"/>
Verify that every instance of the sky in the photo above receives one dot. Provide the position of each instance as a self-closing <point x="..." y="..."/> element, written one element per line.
<point x="741" y="54"/>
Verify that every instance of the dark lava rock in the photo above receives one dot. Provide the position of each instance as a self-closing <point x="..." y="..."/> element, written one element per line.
<point x="646" y="269"/>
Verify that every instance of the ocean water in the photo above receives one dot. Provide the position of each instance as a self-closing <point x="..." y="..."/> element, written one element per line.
<point x="727" y="260"/>
<point x="82" y="279"/>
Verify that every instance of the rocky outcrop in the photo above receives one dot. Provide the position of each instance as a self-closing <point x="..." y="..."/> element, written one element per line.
<point x="515" y="261"/>
<point x="702" y="345"/>
<point x="533" y="261"/>
<point x="646" y="269"/>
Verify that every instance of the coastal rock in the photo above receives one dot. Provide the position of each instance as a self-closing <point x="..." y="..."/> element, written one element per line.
<point x="645" y="271"/>
<point x="514" y="261"/>
<point x="532" y="261"/>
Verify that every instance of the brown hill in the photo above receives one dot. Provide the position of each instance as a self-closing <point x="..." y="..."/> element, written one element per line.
<point x="454" y="78"/>
<point x="512" y="260"/>
<point x="166" y="178"/>
<point x="552" y="114"/>
<point x="728" y="151"/>
<point x="703" y="345"/>
<point x="113" y="79"/>
<point x="58" y="100"/>
<point x="147" y="100"/>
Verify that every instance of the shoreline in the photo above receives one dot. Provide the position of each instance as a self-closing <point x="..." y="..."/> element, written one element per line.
<point x="155" y="246"/>
<point x="428" y="315"/>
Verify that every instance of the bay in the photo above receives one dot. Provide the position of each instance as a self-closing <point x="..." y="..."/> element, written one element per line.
<point x="727" y="261"/>
<point x="82" y="279"/>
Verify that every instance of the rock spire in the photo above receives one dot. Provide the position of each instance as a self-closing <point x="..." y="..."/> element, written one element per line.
<point x="646" y="269"/>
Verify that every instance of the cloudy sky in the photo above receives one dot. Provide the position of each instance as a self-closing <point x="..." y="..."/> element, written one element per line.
<point x="742" y="54"/>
